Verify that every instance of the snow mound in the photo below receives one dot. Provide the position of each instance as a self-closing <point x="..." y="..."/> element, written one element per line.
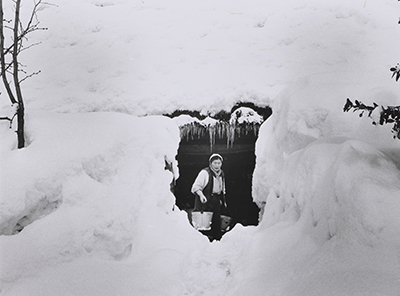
<point x="89" y="186"/>
<point x="346" y="189"/>
<point x="330" y="225"/>
<point x="309" y="111"/>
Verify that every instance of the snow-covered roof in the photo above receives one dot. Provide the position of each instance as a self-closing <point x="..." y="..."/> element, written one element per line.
<point x="209" y="121"/>
<point x="245" y="114"/>
<point x="240" y="115"/>
<point x="184" y="119"/>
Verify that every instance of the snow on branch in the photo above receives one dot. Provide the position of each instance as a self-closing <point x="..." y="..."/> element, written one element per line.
<point x="387" y="115"/>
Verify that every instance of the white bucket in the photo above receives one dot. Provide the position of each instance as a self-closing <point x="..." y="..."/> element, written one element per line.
<point x="202" y="221"/>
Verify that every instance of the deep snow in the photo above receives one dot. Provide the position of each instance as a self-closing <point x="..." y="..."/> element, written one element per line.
<point x="91" y="187"/>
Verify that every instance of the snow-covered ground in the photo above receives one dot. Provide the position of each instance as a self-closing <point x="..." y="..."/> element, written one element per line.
<point x="91" y="189"/>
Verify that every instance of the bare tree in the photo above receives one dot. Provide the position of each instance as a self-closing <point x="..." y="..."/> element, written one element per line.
<point x="9" y="63"/>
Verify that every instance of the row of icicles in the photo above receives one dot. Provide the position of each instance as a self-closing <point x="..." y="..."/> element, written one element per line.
<point x="220" y="129"/>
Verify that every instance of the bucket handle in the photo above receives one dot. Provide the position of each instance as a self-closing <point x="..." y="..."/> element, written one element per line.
<point x="202" y="207"/>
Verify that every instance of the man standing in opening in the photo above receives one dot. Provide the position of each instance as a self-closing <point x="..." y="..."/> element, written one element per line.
<point x="209" y="191"/>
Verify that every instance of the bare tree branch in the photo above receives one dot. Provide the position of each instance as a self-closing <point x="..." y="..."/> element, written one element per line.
<point x="2" y="57"/>
<point x="9" y="119"/>
<point x="30" y="75"/>
<point x="29" y="46"/>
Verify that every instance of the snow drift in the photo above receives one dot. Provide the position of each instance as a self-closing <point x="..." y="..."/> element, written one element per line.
<point x="103" y="171"/>
<point x="329" y="225"/>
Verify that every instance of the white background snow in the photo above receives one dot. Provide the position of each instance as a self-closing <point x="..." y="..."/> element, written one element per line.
<point x="91" y="187"/>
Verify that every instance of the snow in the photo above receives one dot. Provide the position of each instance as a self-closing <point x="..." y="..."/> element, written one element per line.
<point x="208" y="121"/>
<point x="184" y="119"/>
<point x="245" y="114"/>
<point x="91" y="191"/>
<point x="333" y="225"/>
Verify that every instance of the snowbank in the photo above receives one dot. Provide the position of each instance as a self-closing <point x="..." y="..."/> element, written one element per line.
<point x="309" y="111"/>
<point x="329" y="225"/>
<point x="90" y="188"/>
<point x="329" y="186"/>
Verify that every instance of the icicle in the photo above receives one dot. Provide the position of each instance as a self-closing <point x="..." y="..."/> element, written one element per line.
<point x="197" y="130"/>
<point x="222" y="130"/>
<point x="247" y="128"/>
<point x="191" y="131"/>
<point x="256" y="129"/>
<point x="230" y="135"/>
<point x="211" y="131"/>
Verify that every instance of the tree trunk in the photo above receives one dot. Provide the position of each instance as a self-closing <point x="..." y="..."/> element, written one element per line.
<point x="21" y="108"/>
<point x="21" y="125"/>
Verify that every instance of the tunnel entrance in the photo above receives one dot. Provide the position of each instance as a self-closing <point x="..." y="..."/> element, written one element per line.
<point x="231" y="134"/>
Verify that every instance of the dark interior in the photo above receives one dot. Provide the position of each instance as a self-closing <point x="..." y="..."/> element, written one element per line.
<point x="238" y="165"/>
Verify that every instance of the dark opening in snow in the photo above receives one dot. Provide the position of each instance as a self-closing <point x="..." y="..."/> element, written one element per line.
<point x="231" y="134"/>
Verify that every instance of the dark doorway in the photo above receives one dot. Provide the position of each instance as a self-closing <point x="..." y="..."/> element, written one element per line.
<point x="238" y="165"/>
<point x="239" y="162"/>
